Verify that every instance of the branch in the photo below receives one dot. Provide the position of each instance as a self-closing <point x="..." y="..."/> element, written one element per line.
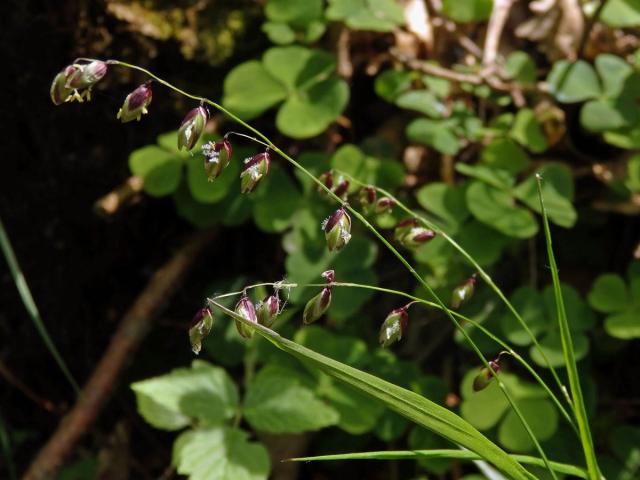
<point x="133" y="327"/>
<point x="499" y="15"/>
<point x="121" y="195"/>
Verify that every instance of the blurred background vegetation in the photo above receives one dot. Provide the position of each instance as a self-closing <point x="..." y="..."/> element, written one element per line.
<point x="408" y="95"/>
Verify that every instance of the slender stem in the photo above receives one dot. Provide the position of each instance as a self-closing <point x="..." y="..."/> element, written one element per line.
<point x="485" y="276"/>
<point x="374" y="231"/>
<point x="508" y="348"/>
<point x="588" y="27"/>
<point x="567" y="349"/>
<point x="30" y="305"/>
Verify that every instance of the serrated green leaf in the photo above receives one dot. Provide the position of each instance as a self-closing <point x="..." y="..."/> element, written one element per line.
<point x="608" y="294"/>
<point x="220" y="453"/>
<point x="573" y="82"/>
<point x="201" y="393"/>
<point x="343" y="348"/>
<point x="498" y="210"/>
<point x="249" y="90"/>
<point x="277" y="402"/>
<point x="160" y="170"/>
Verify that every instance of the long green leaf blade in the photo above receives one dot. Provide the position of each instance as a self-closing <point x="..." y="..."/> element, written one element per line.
<point x="567" y="351"/>
<point x="405" y="402"/>
<point x="441" y="453"/>
<point x="30" y="305"/>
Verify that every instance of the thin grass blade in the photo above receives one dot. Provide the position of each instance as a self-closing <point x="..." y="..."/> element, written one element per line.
<point x="567" y="351"/>
<point x="405" y="402"/>
<point x="464" y="455"/>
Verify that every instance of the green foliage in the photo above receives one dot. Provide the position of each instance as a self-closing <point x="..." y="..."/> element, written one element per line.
<point x="409" y="404"/>
<point x="621" y="13"/>
<point x="278" y="402"/>
<point x="220" y="453"/>
<point x="288" y="21"/>
<point x="538" y="310"/>
<point x="202" y="394"/>
<point x="621" y="302"/>
<point x="373" y="15"/>
<point x="489" y="409"/>
<point x="468" y="11"/>
<point x="301" y="78"/>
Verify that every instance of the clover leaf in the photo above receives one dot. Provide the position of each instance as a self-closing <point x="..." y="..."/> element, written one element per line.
<point x="489" y="408"/>
<point x="467" y="11"/>
<point x="539" y="311"/>
<point x="447" y="129"/>
<point x="288" y="20"/>
<point x="299" y="80"/>
<point x="621" y="302"/>
<point x="372" y="15"/>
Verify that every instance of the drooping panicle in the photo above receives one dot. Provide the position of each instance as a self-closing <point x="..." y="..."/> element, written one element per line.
<point x="337" y="229"/>
<point x="192" y="127"/>
<point x="367" y="197"/>
<point x="136" y="103"/>
<point x="393" y="327"/>
<point x="199" y="328"/>
<point x="217" y="156"/>
<point x="411" y="235"/>
<point x="485" y="376"/>
<point x="59" y="91"/>
<point x="254" y="170"/>
<point x="267" y="310"/>
<point x="463" y="292"/>
<point x="246" y="310"/>
<point x="384" y="205"/>
<point x="318" y="305"/>
<point x="86" y="76"/>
